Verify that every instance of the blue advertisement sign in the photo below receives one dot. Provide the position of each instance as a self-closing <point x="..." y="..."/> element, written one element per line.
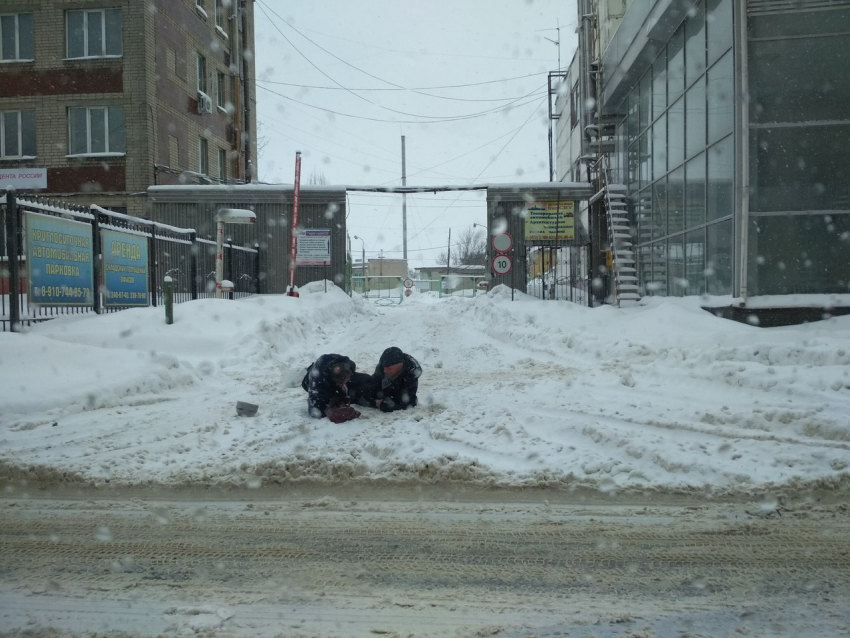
<point x="125" y="269"/>
<point x="59" y="261"/>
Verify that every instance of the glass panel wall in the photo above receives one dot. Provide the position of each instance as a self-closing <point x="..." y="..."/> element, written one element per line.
<point x="681" y="177"/>
<point x="799" y="160"/>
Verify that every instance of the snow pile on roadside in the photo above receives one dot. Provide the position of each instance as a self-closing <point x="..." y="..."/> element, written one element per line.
<point x="522" y="393"/>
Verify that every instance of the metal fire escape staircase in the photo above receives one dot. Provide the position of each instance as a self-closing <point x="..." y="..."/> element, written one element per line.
<point x="614" y="201"/>
<point x="621" y="242"/>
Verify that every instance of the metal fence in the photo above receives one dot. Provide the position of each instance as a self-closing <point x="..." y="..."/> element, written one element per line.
<point x="174" y="252"/>
<point x="558" y="274"/>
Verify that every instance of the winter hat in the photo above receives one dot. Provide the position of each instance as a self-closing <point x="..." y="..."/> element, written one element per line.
<point x="391" y="356"/>
<point x="339" y="371"/>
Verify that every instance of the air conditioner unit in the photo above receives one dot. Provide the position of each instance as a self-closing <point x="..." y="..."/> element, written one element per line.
<point x="204" y="103"/>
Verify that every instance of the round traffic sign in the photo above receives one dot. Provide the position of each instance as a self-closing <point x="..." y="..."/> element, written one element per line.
<point x="502" y="242"/>
<point x="502" y="264"/>
<point x="408" y="283"/>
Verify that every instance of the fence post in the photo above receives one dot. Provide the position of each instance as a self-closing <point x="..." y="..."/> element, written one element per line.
<point x="169" y="300"/>
<point x="12" y="250"/>
<point x="257" y="268"/>
<point x="193" y="266"/>
<point x="97" y="260"/>
<point x="230" y="267"/>
<point x="152" y="278"/>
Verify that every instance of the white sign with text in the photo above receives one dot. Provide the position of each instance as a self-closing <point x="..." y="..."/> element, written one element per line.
<point x="23" y="178"/>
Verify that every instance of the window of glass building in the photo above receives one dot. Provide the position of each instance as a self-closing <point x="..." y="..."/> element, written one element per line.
<point x="633" y="117"/>
<point x="719" y="183"/>
<point x="695" y="191"/>
<point x="659" y="85"/>
<point x="799" y="254"/>
<point x="720" y="95"/>
<point x="718" y="26"/>
<point x="656" y="279"/>
<point x="676" y="201"/>
<point x="659" y="209"/>
<point x="676" y="134"/>
<point x="645" y="101"/>
<point x="695" y="119"/>
<point x="643" y="215"/>
<point x="695" y="261"/>
<point x="718" y="265"/>
<point x="659" y="146"/>
<point x="676" y="66"/>
<point x="645" y="150"/>
<point x="695" y="43"/>
<point x="677" y="285"/>
<point x="17" y="37"/>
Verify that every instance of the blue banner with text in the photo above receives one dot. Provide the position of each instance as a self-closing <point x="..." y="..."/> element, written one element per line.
<point x="59" y="261"/>
<point x="125" y="269"/>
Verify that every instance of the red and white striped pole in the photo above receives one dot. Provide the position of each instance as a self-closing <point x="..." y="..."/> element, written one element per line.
<point x="293" y="242"/>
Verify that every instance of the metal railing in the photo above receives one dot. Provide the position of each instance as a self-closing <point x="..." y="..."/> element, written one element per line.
<point x="174" y="252"/>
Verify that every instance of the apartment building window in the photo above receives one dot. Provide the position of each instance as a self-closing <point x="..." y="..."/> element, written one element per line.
<point x="96" y="130"/>
<point x="203" y="160"/>
<point x="221" y="16"/>
<point x="199" y="5"/>
<point x="202" y="73"/>
<point x="94" y="33"/>
<point x="222" y="165"/>
<point x="17" y="134"/>
<point x="221" y="90"/>
<point x="17" y="38"/>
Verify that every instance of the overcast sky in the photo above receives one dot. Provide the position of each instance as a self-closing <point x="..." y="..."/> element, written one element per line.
<point x="380" y="60"/>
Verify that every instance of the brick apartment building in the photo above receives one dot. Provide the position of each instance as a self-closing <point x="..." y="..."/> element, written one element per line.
<point x="113" y="96"/>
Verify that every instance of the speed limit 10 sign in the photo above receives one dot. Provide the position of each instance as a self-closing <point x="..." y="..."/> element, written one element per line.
<point x="502" y="264"/>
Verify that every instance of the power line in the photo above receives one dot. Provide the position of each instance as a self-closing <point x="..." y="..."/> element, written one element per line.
<point x="528" y="119"/>
<point x="430" y="121"/>
<point x="440" y="97"/>
<point x="454" y="55"/>
<point x="397" y="86"/>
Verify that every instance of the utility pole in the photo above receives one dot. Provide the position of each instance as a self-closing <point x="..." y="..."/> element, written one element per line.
<point x="404" y="201"/>
<point x="449" y="252"/>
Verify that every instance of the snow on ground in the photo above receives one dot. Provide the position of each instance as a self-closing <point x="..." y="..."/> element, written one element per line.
<point x="523" y="393"/>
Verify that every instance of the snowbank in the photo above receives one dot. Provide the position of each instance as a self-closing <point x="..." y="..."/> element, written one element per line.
<point x="515" y="393"/>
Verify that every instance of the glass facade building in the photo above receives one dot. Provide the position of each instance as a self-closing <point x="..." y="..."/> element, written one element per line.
<point x="733" y="137"/>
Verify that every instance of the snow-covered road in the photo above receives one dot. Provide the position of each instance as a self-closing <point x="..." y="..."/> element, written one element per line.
<point x="288" y="564"/>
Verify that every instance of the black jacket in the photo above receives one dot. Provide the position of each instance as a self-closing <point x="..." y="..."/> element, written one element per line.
<point x="398" y="393"/>
<point x="322" y="393"/>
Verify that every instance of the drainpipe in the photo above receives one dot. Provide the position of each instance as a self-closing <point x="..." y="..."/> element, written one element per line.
<point x="246" y="96"/>
<point x="742" y="153"/>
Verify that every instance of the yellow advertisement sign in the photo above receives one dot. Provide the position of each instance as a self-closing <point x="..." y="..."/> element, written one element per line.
<point x="550" y="221"/>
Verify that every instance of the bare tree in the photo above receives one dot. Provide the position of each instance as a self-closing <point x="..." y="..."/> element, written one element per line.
<point x="468" y="250"/>
<point x="262" y="141"/>
<point x="317" y="179"/>
<point x="471" y="249"/>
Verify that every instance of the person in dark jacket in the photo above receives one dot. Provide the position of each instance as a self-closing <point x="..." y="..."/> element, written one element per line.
<point x="333" y="384"/>
<point x="395" y="381"/>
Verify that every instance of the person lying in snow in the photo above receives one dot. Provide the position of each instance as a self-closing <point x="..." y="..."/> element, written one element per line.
<point x="395" y="381"/>
<point x="332" y="385"/>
